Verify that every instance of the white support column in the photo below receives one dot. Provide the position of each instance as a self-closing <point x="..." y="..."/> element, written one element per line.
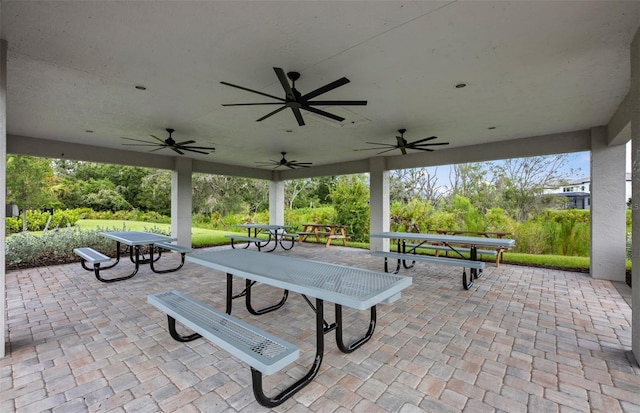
<point x="635" y="198"/>
<point x="3" y="188"/>
<point x="276" y="200"/>
<point x="608" y="208"/>
<point x="181" y="200"/>
<point x="378" y="202"/>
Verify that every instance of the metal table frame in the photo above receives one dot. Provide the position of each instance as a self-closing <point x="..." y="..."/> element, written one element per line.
<point x="135" y="240"/>
<point x="356" y="288"/>
<point x="275" y="232"/>
<point x="448" y="240"/>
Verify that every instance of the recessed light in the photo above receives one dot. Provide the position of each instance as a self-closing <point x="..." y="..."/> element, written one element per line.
<point x="461" y="85"/>
<point x="491" y="127"/>
<point x="88" y="131"/>
<point x="140" y="87"/>
<point x="289" y="130"/>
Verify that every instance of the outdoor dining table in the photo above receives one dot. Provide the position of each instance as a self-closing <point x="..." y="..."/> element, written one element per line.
<point x="275" y="233"/>
<point x="451" y="241"/>
<point x="357" y="288"/>
<point x="330" y="231"/>
<point x="135" y="241"/>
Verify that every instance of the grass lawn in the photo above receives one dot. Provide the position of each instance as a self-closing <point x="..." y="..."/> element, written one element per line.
<point x="199" y="237"/>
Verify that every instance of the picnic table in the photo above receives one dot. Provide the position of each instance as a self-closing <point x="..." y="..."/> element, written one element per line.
<point x="329" y="231"/>
<point x="357" y="288"/>
<point x="276" y="233"/>
<point x="135" y="241"/>
<point x="407" y="252"/>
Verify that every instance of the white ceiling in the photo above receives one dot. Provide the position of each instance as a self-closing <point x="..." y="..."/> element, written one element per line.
<point x="532" y="68"/>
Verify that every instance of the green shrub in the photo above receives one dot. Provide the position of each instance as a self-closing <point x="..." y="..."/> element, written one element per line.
<point x="56" y="246"/>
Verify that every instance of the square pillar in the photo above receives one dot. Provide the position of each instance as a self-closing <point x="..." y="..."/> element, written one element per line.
<point x="635" y="199"/>
<point x="276" y="201"/>
<point x="181" y="200"/>
<point x="378" y="202"/>
<point x="608" y="208"/>
<point x="3" y="189"/>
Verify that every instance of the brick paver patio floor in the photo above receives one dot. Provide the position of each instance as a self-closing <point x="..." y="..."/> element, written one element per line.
<point x="522" y="339"/>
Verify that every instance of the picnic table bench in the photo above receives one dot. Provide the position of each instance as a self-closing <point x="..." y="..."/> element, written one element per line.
<point x="264" y="352"/>
<point x="458" y="248"/>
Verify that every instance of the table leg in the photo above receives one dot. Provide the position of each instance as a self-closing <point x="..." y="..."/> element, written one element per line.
<point x="358" y="342"/>
<point x="256" y="376"/>
<point x="126" y="277"/>
<point x="247" y="294"/>
<point x="404" y="251"/>
<point x="151" y="261"/>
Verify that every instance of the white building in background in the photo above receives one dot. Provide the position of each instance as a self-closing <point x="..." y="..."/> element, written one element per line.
<point x="578" y="192"/>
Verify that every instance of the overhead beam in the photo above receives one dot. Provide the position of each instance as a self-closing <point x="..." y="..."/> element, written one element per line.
<point x="46" y="148"/>
<point x="619" y="127"/>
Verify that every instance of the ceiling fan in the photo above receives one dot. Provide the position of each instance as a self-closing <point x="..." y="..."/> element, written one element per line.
<point x="403" y="145"/>
<point x="284" y="162"/>
<point x="178" y="147"/>
<point x="296" y="100"/>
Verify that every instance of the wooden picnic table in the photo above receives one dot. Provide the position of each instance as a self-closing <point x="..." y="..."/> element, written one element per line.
<point x="329" y="231"/>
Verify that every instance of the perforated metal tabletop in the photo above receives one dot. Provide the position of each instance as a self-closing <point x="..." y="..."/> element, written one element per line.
<point x="349" y="286"/>
<point x="453" y="239"/>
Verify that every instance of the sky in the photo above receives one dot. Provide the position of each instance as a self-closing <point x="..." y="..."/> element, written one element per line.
<point x="578" y="161"/>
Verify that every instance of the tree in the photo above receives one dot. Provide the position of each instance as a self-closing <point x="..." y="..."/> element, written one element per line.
<point x="415" y="183"/>
<point x="228" y="195"/>
<point x="29" y="183"/>
<point x="522" y="181"/>
<point x="350" y="198"/>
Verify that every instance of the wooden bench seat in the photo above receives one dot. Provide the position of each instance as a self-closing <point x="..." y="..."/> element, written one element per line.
<point x="264" y="352"/>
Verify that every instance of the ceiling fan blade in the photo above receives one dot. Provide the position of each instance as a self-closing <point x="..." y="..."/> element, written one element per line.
<point x="369" y="149"/>
<point x="423" y="149"/>
<point x="300" y="164"/>
<point x="325" y="88"/>
<point x="388" y="150"/>
<point x="338" y="103"/>
<point x="298" y="115"/>
<point x="184" y="143"/>
<point x="382" y="144"/>
<point x="252" y="91"/>
<point x="428" y="144"/>
<point x="137" y="140"/>
<point x="177" y="150"/>
<point x="251" y="104"/>
<point x="424" y="140"/>
<point x="403" y="150"/>
<point x="323" y="113"/>
<point x="195" y="150"/>
<point x="158" y="139"/>
<point x="206" y="148"/>
<point x="282" y="77"/>
<point x="140" y="144"/>
<point x="158" y="148"/>
<point x="271" y="114"/>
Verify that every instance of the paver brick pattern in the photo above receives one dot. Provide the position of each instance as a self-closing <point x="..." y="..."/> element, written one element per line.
<point x="521" y="339"/>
